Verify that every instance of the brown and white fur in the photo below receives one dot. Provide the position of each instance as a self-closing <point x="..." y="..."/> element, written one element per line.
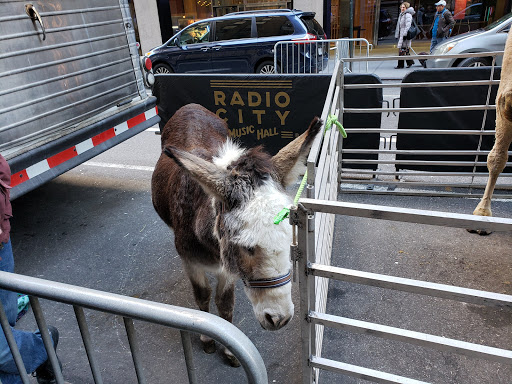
<point x="497" y="158"/>
<point x="220" y="200"/>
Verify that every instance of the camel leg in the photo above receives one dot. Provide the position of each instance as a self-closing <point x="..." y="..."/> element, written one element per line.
<point x="498" y="156"/>
<point x="202" y="295"/>
<point x="495" y="165"/>
<point x="225" y="301"/>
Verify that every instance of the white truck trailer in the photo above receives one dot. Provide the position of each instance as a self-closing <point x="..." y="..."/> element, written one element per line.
<point x="72" y="85"/>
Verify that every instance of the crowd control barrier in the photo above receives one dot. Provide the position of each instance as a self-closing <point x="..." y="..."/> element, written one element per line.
<point x="129" y="308"/>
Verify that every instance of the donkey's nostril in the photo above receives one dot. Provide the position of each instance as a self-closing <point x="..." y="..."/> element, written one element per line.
<point x="286" y="321"/>
<point x="269" y="319"/>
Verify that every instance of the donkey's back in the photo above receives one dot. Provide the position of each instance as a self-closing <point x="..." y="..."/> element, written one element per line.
<point x="178" y="199"/>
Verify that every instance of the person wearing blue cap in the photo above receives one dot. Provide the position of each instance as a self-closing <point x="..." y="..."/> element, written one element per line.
<point x="442" y="25"/>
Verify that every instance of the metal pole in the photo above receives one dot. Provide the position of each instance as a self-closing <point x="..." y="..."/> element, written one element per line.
<point x="340" y="80"/>
<point x="12" y="345"/>
<point x="300" y="218"/>
<point x="47" y="340"/>
<point x="86" y="338"/>
<point x="189" y="356"/>
<point x="134" y="347"/>
<point x="351" y="31"/>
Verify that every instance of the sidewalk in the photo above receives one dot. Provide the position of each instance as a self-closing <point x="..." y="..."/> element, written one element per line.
<point x="385" y="69"/>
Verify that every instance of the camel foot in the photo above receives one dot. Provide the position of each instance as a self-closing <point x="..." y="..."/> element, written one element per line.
<point x="482" y="209"/>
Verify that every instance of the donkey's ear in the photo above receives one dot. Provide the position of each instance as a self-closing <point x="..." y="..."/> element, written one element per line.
<point x="207" y="174"/>
<point x="289" y="161"/>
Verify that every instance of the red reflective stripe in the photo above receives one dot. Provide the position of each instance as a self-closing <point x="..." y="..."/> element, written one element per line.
<point x="136" y="120"/>
<point x="61" y="157"/>
<point x="19" y="178"/>
<point x="104" y="136"/>
<point x="156" y="109"/>
<point x="69" y="153"/>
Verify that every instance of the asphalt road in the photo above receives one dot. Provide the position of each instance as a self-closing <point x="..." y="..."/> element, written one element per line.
<point x="95" y="227"/>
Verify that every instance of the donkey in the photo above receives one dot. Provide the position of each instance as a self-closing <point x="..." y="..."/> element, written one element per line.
<point x="497" y="158"/>
<point x="220" y="199"/>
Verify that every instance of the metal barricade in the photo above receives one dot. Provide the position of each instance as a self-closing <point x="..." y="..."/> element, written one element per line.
<point x="314" y="221"/>
<point x="389" y="177"/>
<point x="319" y="56"/>
<point x="185" y="319"/>
<point x="312" y="270"/>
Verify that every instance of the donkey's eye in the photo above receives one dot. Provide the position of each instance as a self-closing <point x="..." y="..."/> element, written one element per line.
<point x="250" y="250"/>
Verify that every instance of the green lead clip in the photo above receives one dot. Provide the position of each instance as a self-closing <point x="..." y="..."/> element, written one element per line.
<point x="282" y="215"/>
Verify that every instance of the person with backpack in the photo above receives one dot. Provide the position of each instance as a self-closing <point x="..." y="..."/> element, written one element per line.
<point x="442" y="25"/>
<point x="404" y="23"/>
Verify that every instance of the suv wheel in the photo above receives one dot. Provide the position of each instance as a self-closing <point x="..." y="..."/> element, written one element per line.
<point x="475" y="62"/>
<point x="162" y="69"/>
<point x="266" y="68"/>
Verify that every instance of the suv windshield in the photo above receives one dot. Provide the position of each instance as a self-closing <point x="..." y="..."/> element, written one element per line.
<point x="498" y="22"/>
<point x="313" y="26"/>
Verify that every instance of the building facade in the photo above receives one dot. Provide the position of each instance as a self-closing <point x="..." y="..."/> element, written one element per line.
<point x="375" y="20"/>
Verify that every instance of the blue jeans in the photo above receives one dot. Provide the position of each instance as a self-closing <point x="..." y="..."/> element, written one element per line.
<point x="30" y="344"/>
<point x="436" y="40"/>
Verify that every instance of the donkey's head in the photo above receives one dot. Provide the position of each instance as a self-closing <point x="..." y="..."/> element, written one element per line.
<point x="247" y="191"/>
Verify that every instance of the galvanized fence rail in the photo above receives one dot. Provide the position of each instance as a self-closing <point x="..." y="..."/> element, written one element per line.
<point x="320" y="56"/>
<point x="322" y="183"/>
<point x="413" y="182"/>
<point x="311" y="268"/>
<point x="314" y="221"/>
<point x="185" y="319"/>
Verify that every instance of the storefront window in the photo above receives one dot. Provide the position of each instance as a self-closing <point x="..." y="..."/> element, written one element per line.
<point x="468" y="14"/>
<point x="185" y="12"/>
<point x="223" y="7"/>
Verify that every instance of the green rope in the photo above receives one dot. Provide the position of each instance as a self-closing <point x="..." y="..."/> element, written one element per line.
<point x="331" y="119"/>
<point x="285" y="212"/>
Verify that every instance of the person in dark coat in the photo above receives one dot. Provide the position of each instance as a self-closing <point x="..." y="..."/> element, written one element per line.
<point x="30" y="344"/>
<point x="442" y="26"/>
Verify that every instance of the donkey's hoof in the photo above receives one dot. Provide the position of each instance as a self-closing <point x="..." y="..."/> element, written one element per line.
<point x="209" y="346"/>
<point x="232" y="360"/>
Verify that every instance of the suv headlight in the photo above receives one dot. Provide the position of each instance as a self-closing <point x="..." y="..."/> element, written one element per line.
<point x="445" y="48"/>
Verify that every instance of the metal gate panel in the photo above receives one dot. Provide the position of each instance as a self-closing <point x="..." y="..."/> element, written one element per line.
<point x="315" y="245"/>
<point x="386" y="179"/>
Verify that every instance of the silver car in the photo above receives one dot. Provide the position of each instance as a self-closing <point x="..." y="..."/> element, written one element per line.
<point x="488" y="39"/>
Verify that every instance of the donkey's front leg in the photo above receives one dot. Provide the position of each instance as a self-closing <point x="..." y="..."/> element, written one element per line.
<point x="225" y="301"/>
<point x="202" y="295"/>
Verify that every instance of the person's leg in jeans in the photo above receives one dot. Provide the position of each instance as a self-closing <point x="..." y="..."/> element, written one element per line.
<point x="30" y="344"/>
<point x="433" y="43"/>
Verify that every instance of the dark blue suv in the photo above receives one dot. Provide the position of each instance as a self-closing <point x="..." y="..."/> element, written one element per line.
<point x="243" y="42"/>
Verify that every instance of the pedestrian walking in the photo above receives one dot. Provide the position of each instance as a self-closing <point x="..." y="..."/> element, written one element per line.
<point x="402" y="27"/>
<point x="442" y="26"/>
